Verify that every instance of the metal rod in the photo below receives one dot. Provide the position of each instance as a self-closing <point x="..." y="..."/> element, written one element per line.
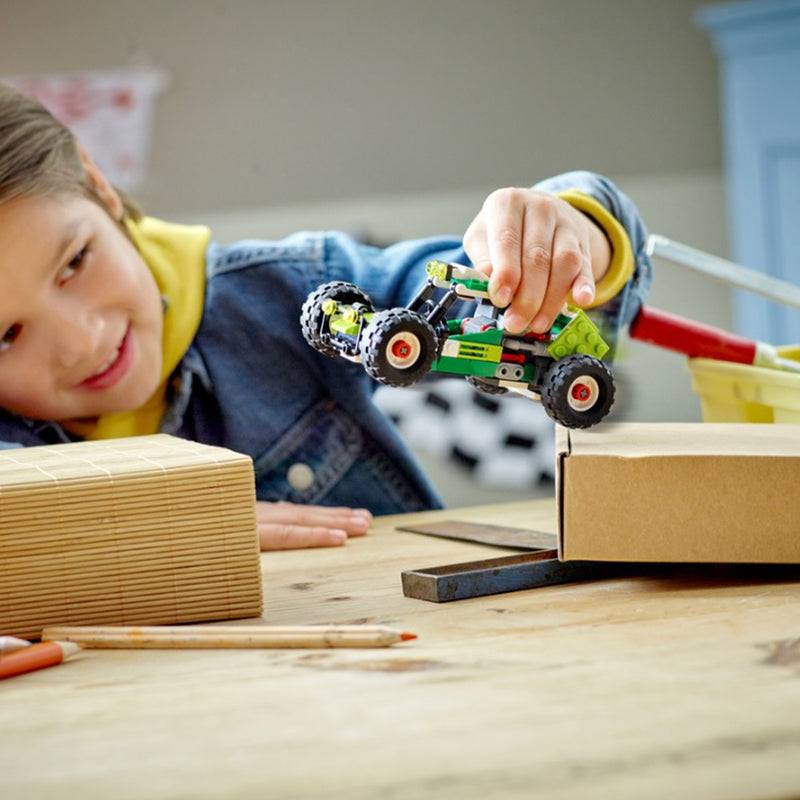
<point x="782" y="292"/>
<point x="500" y="575"/>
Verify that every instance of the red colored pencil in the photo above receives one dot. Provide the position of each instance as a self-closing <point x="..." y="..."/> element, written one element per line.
<point x="37" y="656"/>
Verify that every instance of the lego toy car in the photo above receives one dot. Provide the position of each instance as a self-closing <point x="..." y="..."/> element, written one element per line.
<point x="399" y="346"/>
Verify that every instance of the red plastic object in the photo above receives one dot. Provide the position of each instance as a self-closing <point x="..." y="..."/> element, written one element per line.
<point x="694" y="339"/>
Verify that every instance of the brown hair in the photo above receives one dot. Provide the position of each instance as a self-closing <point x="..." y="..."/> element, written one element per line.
<point x="39" y="155"/>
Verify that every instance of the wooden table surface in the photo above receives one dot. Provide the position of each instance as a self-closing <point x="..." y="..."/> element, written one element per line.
<point x="666" y="684"/>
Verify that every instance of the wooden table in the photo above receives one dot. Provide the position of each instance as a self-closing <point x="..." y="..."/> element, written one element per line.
<point x="659" y="685"/>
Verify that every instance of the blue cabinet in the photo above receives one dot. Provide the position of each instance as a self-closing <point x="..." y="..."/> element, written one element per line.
<point x="758" y="44"/>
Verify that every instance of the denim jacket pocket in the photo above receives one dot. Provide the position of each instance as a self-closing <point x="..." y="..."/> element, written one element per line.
<point x="311" y="458"/>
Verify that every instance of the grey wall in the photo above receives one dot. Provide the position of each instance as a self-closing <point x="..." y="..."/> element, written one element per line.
<point x="273" y="102"/>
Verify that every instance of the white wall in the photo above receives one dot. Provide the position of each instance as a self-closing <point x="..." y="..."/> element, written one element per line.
<point x="274" y="101"/>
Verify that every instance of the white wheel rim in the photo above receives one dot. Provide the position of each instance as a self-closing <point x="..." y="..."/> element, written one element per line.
<point x="402" y="350"/>
<point x="583" y="393"/>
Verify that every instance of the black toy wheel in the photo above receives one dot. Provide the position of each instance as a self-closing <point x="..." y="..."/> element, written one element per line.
<point x="398" y="347"/>
<point x="312" y="317"/>
<point x="578" y="391"/>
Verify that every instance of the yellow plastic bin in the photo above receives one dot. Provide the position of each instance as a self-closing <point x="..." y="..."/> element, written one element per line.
<point x="731" y="392"/>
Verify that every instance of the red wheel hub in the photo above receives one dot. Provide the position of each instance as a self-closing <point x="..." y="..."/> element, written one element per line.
<point x="401" y="349"/>
<point x="581" y="392"/>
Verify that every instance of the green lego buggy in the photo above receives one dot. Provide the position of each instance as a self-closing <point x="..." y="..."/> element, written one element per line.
<point x="562" y="367"/>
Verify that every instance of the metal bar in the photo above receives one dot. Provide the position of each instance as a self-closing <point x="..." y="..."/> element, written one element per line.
<point x="498" y="575"/>
<point x="497" y="535"/>
<point x="733" y="274"/>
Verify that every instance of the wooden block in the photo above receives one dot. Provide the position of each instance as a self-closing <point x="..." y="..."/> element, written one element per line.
<point x="145" y="530"/>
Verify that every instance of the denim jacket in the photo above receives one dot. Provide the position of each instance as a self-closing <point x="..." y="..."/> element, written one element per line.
<point x="251" y="383"/>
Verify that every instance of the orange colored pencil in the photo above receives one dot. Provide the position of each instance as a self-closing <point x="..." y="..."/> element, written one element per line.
<point x="37" y="656"/>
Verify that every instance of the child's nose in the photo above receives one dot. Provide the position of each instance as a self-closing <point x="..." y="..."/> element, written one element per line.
<point x="78" y="334"/>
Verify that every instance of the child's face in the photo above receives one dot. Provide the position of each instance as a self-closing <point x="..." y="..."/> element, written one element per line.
<point x="80" y="312"/>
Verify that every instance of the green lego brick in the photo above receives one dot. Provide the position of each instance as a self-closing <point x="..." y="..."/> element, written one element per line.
<point x="479" y="369"/>
<point x="348" y="324"/>
<point x="473" y="285"/>
<point x="579" y="335"/>
<point x="445" y="272"/>
<point x="470" y="349"/>
<point x="463" y="366"/>
<point x="560" y="322"/>
<point x="492" y="336"/>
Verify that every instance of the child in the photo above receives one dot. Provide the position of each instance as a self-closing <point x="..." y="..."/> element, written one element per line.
<point x="118" y="325"/>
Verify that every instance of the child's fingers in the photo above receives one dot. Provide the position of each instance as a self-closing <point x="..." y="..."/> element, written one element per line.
<point x="533" y="247"/>
<point x="285" y="525"/>
<point x="500" y="252"/>
<point x="475" y="246"/>
<point x="571" y="267"/>
<point x="583" y="287"/>
<point x="296" y="513"/>
<point x="536" y="264"/>
<point x="296" y="537"/>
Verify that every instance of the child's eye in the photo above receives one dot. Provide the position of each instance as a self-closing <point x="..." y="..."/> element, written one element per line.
<point x="75" y="263"/>
<point x="9" y="337"/>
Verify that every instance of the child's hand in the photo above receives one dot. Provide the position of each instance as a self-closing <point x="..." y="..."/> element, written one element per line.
<point x="288" y="526"/>
<point x="538" y="250"/>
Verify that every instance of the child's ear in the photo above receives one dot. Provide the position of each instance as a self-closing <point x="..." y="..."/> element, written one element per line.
<point x="100" y="184"/>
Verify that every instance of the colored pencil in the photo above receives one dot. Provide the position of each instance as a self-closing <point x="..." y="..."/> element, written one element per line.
<point x="37" y="656"/>
<point x="248" y="636"/>
<point x="9" y="643"/>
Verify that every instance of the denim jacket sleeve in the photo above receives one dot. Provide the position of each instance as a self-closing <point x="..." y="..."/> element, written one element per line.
<point x="392" y="275"/>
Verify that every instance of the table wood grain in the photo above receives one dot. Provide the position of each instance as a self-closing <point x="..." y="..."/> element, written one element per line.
<point x="667" y="683"/>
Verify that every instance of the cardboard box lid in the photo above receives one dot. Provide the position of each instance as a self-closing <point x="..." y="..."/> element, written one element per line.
<point x="663" y="439"/>
<point x="679" y="492"/>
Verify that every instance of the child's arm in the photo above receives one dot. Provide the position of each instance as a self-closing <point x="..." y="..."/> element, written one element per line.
<point x="539" y="250"/>
<point x="287" y="526"/>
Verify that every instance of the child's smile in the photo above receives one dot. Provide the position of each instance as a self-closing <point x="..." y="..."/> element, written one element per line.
<point x="114" y="368"/>
<point x="80" y="313"/>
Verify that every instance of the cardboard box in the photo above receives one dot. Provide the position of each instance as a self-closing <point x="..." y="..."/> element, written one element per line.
<point x="688" y="492"/>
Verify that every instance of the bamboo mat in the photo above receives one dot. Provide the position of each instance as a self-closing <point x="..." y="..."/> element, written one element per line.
<point x="148" y="530"/>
